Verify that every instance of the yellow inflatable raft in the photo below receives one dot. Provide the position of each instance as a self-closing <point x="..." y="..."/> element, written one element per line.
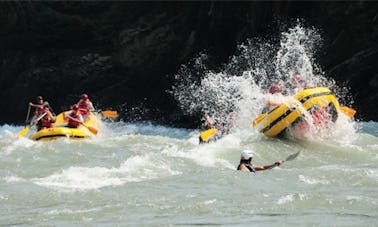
<point x="276" y="121"/>
<point x="60" y="131"/>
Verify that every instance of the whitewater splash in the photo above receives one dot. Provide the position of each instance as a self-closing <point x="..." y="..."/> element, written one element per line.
<point x="240" y="85"/>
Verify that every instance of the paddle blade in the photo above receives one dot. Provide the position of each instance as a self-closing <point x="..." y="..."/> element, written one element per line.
<point x="110" y="113"/>
<point x="23" y="132"/>
<point x="292" y="156"/>
<point x="208" y="134"/>
<point x="92" y="130"/>
<point x="258" y="119"/>
<point x="348" y="111"/>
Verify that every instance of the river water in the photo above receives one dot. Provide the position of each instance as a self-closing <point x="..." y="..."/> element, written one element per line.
<point x="146" y="174"/>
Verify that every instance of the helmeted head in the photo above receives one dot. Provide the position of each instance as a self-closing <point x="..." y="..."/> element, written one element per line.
<point x="246" y="154"/>
<point x="75" y="107"/>
<point x="39" y="99"/>
<point x="84" y="96"/>
<point x="275" y="88"/>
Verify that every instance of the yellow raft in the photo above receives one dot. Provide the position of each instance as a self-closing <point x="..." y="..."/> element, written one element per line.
<point x="276" y="121"/>
<point x="81" y="132"/>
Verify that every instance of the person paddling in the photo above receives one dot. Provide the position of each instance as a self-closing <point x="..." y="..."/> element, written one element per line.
<point x="85" y="106"/>
<point x="74" y="118"/>
<point x="43" y="118"/>
<point x="246" y="165"/>
<point x="42" y="103"/>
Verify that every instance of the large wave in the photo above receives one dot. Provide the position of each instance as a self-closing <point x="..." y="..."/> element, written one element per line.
<point x="239" y="85"/>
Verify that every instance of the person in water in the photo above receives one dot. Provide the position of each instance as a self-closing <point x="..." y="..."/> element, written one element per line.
<point x="274" y="98"/>
<point x="85" y="106"/>
<point x="74" y="118"/>
<point x="246" y="164"/>
<point x="228" y="123"/>
<point x="298" y="83"/>
<point x="209" y="123"/>
<point x="211" y="131"/>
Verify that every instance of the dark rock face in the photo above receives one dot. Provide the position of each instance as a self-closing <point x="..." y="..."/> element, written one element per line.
<point x="124" y="54"/>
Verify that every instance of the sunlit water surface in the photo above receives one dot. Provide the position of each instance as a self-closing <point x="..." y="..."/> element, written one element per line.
<point x="154" y="175"/>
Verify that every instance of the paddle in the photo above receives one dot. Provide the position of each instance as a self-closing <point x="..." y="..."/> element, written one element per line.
<point x="289" y="158"/>
<point x="27" y="115"/>
<point x="110" y="113"/>
<point x="91" y="129"/>
<point x="348" y="111"/>
<point x="258" y="119"/>
<point x="25" y="131"/>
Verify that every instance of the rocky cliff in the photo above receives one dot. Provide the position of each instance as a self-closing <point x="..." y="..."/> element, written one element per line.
<point x="125" y="54"/>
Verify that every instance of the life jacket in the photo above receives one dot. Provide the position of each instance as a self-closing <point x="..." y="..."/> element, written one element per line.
<point x="249" y="166"/>
<point x="83" y="107"/>
<point x="73" y="123"/>
<point x="45" y="122"/>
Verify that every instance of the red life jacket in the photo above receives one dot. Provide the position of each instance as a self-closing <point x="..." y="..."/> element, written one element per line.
<point x="44" y="123"/>
<point x="83" y="107"/>
<point x="71" y="122"/>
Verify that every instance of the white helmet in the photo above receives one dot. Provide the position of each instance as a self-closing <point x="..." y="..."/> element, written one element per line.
<point x="246" y="154"/>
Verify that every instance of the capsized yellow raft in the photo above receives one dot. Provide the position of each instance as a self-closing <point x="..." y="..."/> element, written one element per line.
<point x="276" y="121"/>
<point x="60" y="131"/>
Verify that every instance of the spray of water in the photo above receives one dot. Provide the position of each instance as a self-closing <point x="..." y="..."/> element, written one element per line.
<point x="240" y="85"/>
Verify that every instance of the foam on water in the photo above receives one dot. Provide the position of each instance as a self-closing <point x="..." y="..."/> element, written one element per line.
<point x="134" y="169"/>
<point x="142" y="169"/>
